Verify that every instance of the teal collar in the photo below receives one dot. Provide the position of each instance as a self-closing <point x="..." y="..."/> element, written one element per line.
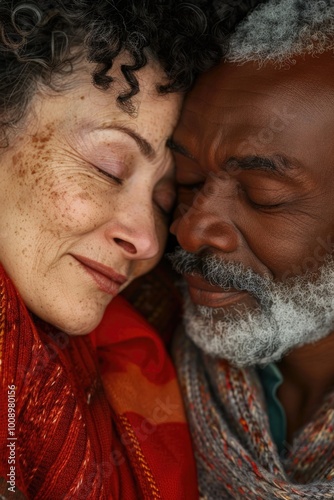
<point x="271" y="379"/>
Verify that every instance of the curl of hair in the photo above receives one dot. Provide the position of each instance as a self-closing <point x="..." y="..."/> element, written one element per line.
<point x="36" y="38"/>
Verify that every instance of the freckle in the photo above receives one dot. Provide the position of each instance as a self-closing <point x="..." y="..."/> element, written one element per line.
<point x="82" y="97"/>
<point x="84" y="196"/>
<point x="16" y="157"/>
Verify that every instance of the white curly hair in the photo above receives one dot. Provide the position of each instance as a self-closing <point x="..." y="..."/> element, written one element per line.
<point x="279" y="30"/>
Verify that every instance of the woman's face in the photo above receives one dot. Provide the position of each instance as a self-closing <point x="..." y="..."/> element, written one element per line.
<point x="83" y="190"/>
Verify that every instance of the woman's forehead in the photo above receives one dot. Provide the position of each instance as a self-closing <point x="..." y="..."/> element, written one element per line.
<point x="83" y="107"/>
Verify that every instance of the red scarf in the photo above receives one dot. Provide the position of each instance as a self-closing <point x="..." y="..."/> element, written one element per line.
<point x="102" y="422"/>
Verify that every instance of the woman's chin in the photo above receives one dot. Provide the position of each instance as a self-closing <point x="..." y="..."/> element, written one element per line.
<point x="78" y="313"/>
<point x="75" y="324"/>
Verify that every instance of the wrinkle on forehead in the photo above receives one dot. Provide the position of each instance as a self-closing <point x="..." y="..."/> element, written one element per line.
<point x="313" y="73"/>
<point x="231" y="99"/>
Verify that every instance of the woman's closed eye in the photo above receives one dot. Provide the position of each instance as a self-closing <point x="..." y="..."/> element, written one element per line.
<point x="193" y="187"/>
<point x="109" y="175"/>
<point x="164" y="199"/>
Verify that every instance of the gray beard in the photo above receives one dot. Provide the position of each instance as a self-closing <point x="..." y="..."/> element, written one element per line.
<point x="290" y="314"/>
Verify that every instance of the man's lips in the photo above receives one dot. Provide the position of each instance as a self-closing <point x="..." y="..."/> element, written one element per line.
<point x="107" y="279"/>
<point x="204" y="294"/>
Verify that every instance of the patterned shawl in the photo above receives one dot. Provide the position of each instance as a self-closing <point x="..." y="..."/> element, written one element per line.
<point x="84" y="422"/>
<point x="235" y="454"/>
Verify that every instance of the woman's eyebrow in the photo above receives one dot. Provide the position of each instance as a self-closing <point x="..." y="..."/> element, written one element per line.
<point x="145" y="147"/>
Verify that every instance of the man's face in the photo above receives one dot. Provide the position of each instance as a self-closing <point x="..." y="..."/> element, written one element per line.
<point x="254" y="152"/>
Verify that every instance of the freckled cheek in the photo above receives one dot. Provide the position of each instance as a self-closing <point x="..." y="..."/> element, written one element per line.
<point x="79" y="211"/>
<point x="64" y="202"/>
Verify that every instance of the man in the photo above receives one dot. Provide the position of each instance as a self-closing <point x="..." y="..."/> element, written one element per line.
<point x="255" y="168"/>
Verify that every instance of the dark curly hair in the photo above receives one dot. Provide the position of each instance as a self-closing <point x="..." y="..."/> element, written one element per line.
<point x="37" y="39"/>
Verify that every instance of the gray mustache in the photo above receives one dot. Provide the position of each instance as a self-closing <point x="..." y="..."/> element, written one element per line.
<point x="218" y="272"/>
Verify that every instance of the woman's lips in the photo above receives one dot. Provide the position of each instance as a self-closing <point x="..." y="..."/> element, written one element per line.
<point x="107" y="280"/>
<point x="204" y="294"/>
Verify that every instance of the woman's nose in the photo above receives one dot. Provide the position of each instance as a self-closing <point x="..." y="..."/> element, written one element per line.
<point x="206" y="223"/>
<point x="135" y="232"/>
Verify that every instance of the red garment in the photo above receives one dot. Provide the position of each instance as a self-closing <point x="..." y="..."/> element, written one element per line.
<point x="89" y="428"/>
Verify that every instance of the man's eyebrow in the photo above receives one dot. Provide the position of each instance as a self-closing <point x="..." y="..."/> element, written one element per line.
<point x="145" y="147"/>
<point x="278" y="163"/>
<point x="178" y="148"/>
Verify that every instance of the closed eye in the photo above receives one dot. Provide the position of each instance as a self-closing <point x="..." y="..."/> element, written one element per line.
<point x="164" y="200"/>
<point x="260" y="206"/>
<point x="165" y="213"/>
<point x="263" y="198"/>
<point x="190" y="187"/>
<point x="109" y="175"/>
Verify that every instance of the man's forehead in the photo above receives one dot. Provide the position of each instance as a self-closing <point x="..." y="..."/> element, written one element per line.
<point x="308" y="80"/>
<point x="246" y="111"/>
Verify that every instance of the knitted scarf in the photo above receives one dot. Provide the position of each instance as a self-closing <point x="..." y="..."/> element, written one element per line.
<point x="235" y="454"/>
<point x="96" y="418"/>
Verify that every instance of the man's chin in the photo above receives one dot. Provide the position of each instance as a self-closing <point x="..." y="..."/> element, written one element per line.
<point x="230" y="333"/>
<point x="232" y="324"/>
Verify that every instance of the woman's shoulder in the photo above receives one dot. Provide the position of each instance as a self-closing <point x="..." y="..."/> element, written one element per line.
<point x="16" y="334"/>
<point x="56" y="392"/>
<point x="36" y="357"/>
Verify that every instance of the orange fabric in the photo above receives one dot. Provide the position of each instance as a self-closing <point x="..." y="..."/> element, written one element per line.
<point x="109" y="426"/>
<point x="141" y="385"/>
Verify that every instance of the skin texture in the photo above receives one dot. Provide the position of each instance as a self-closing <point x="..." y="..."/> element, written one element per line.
<point x="58" y="201"/>
<point x="280" y="223"/>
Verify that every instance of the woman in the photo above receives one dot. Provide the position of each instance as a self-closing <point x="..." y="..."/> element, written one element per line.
<point x="88" y="98"/>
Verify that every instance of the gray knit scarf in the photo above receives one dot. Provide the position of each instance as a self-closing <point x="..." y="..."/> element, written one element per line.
<point x="235" y="454"/>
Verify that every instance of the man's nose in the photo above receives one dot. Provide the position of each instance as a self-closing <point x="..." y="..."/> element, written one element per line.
<point x="206" y="222"/>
